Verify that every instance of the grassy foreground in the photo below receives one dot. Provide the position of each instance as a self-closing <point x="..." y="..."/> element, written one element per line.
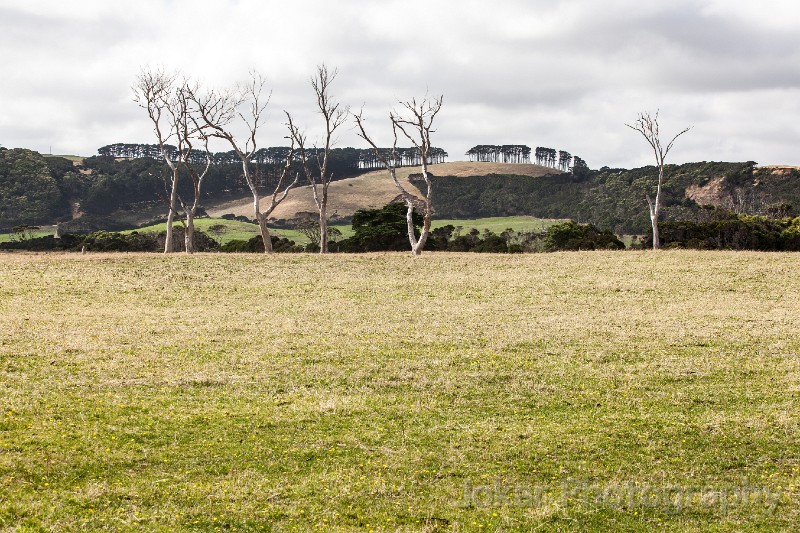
<point x="575" y="391"/>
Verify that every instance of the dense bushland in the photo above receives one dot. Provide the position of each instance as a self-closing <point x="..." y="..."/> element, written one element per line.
<point x="385" y="230"/>
<point x="29" y="194"/>
<point x="108" y="241"/>
<point x="725" y="230"/>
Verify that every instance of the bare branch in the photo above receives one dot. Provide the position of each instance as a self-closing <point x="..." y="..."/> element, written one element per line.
<point x="247" y="103"/>
<point x="415" y="123"/>
<point x="648" y="127"/>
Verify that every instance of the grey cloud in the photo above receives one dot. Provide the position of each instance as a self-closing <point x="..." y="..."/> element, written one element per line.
<point x="556" y="73"/>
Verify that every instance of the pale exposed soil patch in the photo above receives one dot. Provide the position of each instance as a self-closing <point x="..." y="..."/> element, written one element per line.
<point x="780" y="170"/>
<point x="708" y="194"/>
<point x="371" y="190"/>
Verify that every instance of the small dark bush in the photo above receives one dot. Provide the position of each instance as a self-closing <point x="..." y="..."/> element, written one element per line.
<point x="492" y="244"/>
<point x="383" y="229"/>
<point x="256" y="245"/>
<point x="573" y="236"/>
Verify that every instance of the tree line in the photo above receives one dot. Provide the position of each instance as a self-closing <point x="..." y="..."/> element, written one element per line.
<point x="399" y="157"/>
<point x="550" y="157"/>
<point x="374" y="230"/>
<point x="520" y="153"/>
<point x="347" y="161"/>
<point x="506" y="153"/>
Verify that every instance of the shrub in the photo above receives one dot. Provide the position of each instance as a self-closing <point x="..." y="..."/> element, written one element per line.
<point x="726" y="230"/>
<point x="383" y="229"/>
<point x="573" y="236"/>
<point x="256" y="245"/>
<point x="492" y="244"/>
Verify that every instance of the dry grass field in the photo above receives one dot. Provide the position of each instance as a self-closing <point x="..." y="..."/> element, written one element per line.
<point x="371" y="190"/>
<point x="625" y="391"/>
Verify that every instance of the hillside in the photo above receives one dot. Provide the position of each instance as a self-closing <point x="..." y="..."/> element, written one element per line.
<point x="370" y="190"/>
<point x="109" y="193"/>
<point x="615" y="198"/>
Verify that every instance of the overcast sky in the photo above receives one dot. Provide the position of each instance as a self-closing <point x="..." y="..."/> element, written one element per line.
<point x="562" y="74"/>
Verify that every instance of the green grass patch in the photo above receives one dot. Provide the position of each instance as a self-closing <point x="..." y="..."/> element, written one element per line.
<point x="218" y="228"/>
<point x="7" y="237"/>
<point x="467" y="392"/>
<point x="227" y="230"/>
<point x="500" y="224"/>
<point x="75" y="158"/>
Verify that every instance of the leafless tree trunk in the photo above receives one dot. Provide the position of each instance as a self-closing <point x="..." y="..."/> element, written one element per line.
<point x="217" y="110"/>
<point x="647" y="125"/>
<point x="191" y="129"/>
<point x="154" y="91"/>
<point x="416" y="118"/>
<point x="334" y="117"/>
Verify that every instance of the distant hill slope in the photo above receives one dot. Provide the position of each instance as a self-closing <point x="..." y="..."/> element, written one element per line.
<point x="374" y="189"/>
<point x="615" y="198"/>
<point x="107" y="193"/>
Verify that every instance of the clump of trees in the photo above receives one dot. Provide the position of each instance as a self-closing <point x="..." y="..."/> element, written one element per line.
<point x="507" y="153"/>
<point x="28" y="192"/>
<point x="255" y="245"/>
<point x="572" y="236"/>
<point x="560" y="159"/>
<point x="400" y="157"/>
<point x="519" y="153"/>
<point x="383" y="229"/>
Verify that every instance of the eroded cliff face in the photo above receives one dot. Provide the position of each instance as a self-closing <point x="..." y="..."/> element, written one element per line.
<point x="712" y="193"/>
<point x="767" y="185"/>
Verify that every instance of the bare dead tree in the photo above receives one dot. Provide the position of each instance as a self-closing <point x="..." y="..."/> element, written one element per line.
<point x="217" y="110"/>
<point x="414" y="123"/>
<point x="155" y="91"/>
<point x="191" y="130"/>
<point x="320" y="177"/>
<point x="647" y="125"/>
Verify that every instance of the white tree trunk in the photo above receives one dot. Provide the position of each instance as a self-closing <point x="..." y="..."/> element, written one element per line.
<point x="415" y="249"/>
<point x="169" y="245"/>
<point x="654" y="222"/>
<point x="262" y="225"/>
<point x="426" y="230"/>
<point x="323" y="228"/>
<point x="188" y="237"/>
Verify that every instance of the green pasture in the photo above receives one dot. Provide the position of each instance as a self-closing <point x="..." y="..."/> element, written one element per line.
<point x="227" y="230"/>
<point x="593" y="391"/>
<point x="6" y="237"/>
